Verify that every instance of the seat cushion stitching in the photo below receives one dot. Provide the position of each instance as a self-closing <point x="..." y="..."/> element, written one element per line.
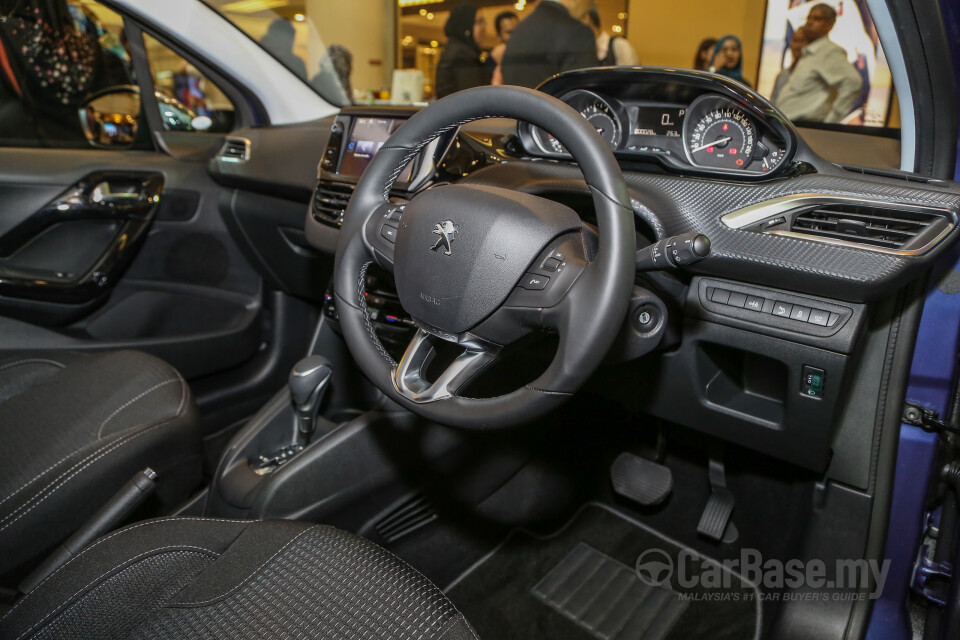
<point x="67" y="457"/>
<point x="126" y="563"/>
<point x="86" y="462"/>
<point x="245" y="580"/>
<point x="133" y="400"/>
<point x="114" y="534"/>
<point x="10" y="365"/>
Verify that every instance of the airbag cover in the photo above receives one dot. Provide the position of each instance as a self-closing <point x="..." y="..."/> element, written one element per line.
<point x="462" y="248"/>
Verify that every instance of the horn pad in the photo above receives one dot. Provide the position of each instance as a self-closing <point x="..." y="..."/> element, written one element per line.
<point x="461" y="249"/>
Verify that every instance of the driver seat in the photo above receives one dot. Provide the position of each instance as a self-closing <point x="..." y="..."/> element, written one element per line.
<point x="200" y="578"/>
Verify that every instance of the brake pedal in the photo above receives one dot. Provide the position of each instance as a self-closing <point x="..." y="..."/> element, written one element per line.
<point x="640" y="479"/>
<point x="715" y="521"/>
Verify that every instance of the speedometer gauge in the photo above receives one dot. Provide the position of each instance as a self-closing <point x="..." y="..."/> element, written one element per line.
<point x="723" y="138"/>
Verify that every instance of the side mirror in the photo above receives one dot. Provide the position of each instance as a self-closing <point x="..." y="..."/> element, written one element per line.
<point x="110" y="118"/>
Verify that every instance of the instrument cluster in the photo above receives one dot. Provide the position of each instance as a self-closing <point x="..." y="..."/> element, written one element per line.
<point x="682" y="126"/>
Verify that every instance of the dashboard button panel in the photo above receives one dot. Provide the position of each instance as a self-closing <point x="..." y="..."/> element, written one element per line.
<point x="802" y="318"/>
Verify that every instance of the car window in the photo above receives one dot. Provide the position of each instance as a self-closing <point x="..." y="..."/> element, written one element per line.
<point x="66" y="79"/>
<point x="187" y="99"/>
<point x="818" y="61"/>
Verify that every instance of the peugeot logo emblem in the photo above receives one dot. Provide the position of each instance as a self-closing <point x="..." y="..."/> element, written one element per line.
<point x="448" y="233"/>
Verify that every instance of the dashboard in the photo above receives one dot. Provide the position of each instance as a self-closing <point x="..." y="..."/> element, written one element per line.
<point x="696" y="123"/>
<point x="802" y="250"/>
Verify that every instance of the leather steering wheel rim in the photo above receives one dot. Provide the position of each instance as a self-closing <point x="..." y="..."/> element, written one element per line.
<point x="593" y="309"/>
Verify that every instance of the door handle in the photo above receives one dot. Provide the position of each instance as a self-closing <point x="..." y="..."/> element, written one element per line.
<point x="121" y="192"/>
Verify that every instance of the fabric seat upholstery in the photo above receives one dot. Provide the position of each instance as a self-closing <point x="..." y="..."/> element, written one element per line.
<point x="75" y="428"/>
<point x="196" y="578"/>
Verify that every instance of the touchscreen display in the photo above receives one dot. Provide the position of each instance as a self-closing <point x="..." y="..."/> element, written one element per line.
<point x="366" y="138"/>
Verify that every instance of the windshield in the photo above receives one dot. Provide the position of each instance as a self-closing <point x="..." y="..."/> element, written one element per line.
<point x="820" y="63"/>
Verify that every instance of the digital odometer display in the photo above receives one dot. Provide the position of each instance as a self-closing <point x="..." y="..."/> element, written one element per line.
<point x="658" y="121"/>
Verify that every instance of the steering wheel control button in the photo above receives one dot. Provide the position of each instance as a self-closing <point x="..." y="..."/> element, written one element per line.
<point x="819" y="317"/>
<point x="551" y="264"/>
<point x="782" y="309"/>
<point x="812" y="381"/>
<point x="754" y="304"/>
<point x="389" y="232"/>
<point x="534" y="282"/>
<point x="737" y="299"/>
<point x="800" y="313"/>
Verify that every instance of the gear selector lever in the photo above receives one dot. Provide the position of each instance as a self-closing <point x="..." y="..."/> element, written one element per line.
<point x="309" y="380"/>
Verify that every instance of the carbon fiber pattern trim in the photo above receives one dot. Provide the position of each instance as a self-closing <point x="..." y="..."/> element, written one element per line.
<point x="683" y="205"/>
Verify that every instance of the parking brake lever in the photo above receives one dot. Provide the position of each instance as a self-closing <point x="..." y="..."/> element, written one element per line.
<point x="674" y="252"/>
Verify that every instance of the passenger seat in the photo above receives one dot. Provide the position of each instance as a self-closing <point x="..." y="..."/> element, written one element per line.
<point x="74" y="427"/>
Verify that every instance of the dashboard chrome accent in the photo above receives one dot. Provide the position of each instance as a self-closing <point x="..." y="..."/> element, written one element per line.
<point x="799" y="202"/>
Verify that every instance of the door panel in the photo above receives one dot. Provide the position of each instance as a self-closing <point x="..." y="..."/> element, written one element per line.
<point x="74" y="248"/>
<point x="188" y="295"/>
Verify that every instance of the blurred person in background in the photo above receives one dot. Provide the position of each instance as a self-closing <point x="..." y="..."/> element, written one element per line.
<point x="823" y="85"/>
<point x="728" y="58"/>
<point x="551" y="40"/>
<point x="797" y="43"/>
<point x="460" y="66"/>
<point x="611" y="50"/>
<point x="342" y="61"/>
<point x="279" y="42"/>
<point x="701" y="61"/>
<point x="504" y="24"/>
<point x="332" y="79"/>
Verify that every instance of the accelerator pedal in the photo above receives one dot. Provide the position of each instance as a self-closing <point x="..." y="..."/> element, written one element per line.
<point x="641" y="480"/>
<point x="715" y="521"/>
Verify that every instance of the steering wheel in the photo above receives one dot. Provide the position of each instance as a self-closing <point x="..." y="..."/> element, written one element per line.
<point x="483" y="266"/>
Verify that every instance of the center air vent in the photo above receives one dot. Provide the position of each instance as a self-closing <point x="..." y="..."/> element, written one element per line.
<point x="895" y="229"/>
<point x="330" y="200"/>
<point x="235" y="150"/>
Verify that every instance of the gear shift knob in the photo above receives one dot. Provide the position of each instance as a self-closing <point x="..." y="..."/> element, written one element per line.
<point x="309" y="379"/>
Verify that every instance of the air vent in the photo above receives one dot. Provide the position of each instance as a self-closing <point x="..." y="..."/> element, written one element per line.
<point x="330" y="200"/>
<point x="235" y="150"/>
<point x="894" y="229"/>
<point x="405" y="518"/>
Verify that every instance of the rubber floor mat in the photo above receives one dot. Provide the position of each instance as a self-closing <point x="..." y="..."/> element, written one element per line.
<point x="582" y="584"/>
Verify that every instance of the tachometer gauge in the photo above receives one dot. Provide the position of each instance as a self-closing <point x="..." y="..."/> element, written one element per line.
<point x="602" y="118"/>
<point x="547" y="141"/>
<point x="723" y="138"/>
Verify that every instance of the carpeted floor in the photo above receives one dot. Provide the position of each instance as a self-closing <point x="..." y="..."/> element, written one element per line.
<point x="581" y="583"/>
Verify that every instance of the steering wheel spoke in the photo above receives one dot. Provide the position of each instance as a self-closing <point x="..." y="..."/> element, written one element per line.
<point x="381" y="231"/>
<point x="409" y="376"/>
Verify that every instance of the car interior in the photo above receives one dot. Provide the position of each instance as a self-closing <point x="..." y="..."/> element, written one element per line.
<point x="453" y="371"/>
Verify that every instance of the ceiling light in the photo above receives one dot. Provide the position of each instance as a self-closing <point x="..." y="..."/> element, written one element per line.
<point x="299" y="17"/>
<point x="251" y="6"/>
